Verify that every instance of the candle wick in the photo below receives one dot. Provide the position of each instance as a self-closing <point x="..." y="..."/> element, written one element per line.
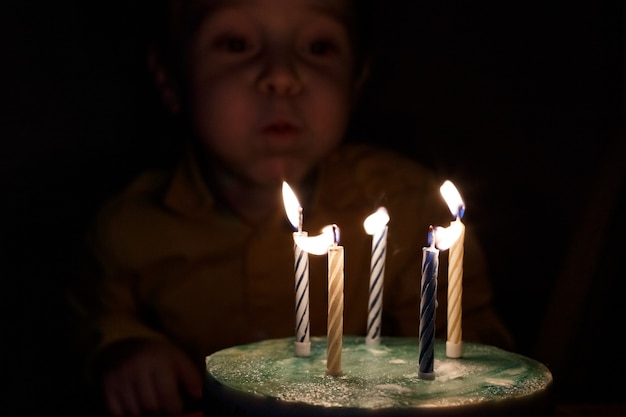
<point x="431" y="236"/>
<point x="335" y="235"/>
<point x="461" y="212"/>
<point x="299" y="219"/>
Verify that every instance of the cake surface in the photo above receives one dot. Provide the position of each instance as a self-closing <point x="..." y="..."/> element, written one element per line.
<point x="267" y="379"/>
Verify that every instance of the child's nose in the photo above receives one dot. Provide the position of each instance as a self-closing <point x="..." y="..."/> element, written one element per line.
<point x="279" y="76"/>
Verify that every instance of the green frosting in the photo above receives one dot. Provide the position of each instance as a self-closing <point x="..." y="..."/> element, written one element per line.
<point x="380" y="378"/>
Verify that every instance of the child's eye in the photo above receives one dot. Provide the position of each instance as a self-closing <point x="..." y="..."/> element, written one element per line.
<point x="232" y="44"/>
<point x="322" y="47"/>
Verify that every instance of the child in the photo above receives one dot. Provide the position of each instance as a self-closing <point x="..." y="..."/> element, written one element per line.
<point x="201" y="258"/>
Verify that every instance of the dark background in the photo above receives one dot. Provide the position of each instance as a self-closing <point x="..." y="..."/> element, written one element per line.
<point x="521" y="105"/>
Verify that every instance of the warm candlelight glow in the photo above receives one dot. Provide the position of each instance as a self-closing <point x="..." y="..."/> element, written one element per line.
<point x="292" y="207"/>
<point x="376" y="222"/>
<point x="453" y="198"/>
<point x="317" y="245"/>
<point x="446" y="236"/>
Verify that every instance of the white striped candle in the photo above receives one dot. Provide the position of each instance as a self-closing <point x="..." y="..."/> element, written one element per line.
<point x="302" y="344"/>
<point x="301" y="268"/>
<point x="376" y="225"/>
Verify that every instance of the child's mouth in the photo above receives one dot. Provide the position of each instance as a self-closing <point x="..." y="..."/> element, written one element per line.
<point x="280" y="136"/>
<point x="280" y="129"/>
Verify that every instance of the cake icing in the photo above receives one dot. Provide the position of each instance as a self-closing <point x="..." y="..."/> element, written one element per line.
<point x="266" y="378"/>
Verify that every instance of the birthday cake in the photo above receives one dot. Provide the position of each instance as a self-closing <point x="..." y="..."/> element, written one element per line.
<point x="267" y="379"/>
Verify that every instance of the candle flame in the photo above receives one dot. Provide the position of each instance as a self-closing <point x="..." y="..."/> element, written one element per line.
<point x="319" y="245"/>
<point x="376" y="222"/>
<point x="446" y="236"/>
<point x="453" y="198"/>
<point x="292" y="206"/>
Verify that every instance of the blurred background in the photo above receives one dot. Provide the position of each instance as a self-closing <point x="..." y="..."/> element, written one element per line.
<point x="521" y="105"/>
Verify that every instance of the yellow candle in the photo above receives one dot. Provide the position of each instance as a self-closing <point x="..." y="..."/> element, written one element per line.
<point x="335" y="310"/>
<point x="327" y="243"/>
<point x="454" y="345"/>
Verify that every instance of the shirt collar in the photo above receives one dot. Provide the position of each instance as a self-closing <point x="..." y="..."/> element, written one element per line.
<point x="187" y="193"/>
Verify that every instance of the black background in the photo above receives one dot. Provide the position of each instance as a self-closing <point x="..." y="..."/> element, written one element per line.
<point x="519" y="104"/>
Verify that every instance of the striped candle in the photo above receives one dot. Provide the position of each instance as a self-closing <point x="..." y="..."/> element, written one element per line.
<point x="335" y="310"/>
<point x="454" y="343"/>
<point x="428" y="305"/>
<point x="327" y="243"/>
<point x="376" y="225"/>
<point x="302" y="344"/>
<point x="301" y="269"/>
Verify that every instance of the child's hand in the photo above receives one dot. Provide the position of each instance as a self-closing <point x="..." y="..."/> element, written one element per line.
<point x="148" y="378"/>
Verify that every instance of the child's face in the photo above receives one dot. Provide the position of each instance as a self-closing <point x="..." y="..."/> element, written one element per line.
<point x="271" y="85"/>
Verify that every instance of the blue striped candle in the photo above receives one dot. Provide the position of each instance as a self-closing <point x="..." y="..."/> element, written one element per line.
<point x="428" y="305"/>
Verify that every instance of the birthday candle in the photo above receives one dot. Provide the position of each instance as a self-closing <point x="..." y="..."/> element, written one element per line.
<point x="428" y="305"/>
<point x="454" y="343"/>
<point x="335" y="307"/>
<point x="301" y="267"/>
<point x="327" y="243"/>
<point x="376" y="225"/>
<point x="302" y="345"/>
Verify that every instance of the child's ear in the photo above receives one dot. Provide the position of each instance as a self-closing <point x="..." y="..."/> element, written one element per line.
<point x="362" y="76"/>
<point x="164" y="82"/>
<point x="360" y="79"/>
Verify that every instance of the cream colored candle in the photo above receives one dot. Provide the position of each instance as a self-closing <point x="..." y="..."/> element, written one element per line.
<point x="327" y="243"/>
<point x="454" y="345"/>
<point x="335" y="309"/>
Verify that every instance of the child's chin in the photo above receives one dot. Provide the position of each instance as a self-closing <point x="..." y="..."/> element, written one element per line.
<point x="278" y="170"/>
